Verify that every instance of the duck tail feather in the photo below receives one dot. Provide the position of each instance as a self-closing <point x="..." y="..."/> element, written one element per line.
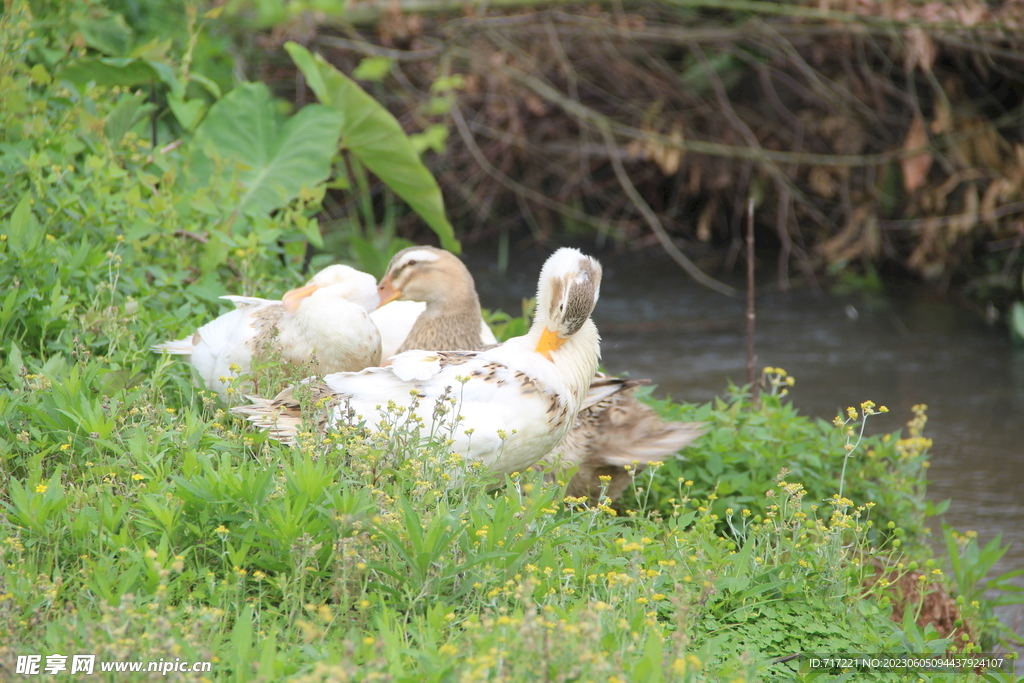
<point x="178" y="346"/>
<point x="655" y="444"/>
<point x="279" y="419"/>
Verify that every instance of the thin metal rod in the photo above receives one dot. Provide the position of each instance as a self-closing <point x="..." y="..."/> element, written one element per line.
<point x="750" y="298"/>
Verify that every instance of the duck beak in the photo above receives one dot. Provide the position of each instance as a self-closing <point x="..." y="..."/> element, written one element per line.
<point x="549" y="341"/>
<point x="294" y="297"/>
<point x="386" y="290"/>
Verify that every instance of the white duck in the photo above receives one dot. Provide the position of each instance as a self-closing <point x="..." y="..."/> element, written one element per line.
<point x="520" y="398"/>
<point x="428" y="301"/>
<point x="613" y="430"/>
<point x="322" y="327"/>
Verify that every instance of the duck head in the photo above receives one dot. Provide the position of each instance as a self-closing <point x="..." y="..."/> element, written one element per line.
<point x="343" y="281"/>
<point x="425" y="274"/>
<point x="568" y="289"/>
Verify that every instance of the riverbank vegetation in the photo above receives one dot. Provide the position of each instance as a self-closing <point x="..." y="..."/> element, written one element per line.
<point x="139" y="521"/>
<point x="875" y="138"/>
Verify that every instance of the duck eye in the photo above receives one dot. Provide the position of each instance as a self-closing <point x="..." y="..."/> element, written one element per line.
<point x="412" y="263"/>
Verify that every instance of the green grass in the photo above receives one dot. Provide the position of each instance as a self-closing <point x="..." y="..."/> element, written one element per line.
<point x="139" y="521"/>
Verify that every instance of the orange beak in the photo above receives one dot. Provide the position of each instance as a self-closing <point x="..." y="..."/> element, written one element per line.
<point x="386" y="290"/>
<point x="549" y="341"/>
<point x="294" y="297"/>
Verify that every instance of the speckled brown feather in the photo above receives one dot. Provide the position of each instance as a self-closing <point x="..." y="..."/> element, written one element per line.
<point x="459" y="330"/>
<point x="616" y="432"/>
<point x="602" y="432"/>
<point x="282" y="416"/>
<point x="266" y="321"/>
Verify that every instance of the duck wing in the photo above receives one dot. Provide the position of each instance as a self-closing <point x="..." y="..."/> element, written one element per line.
<point x="617" y="432"/>
<point x="492" y="411"/>
<point x="245" y="301"/>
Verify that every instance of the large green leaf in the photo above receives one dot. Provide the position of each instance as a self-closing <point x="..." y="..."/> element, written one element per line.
<point x="110" y="71"/>
<point x="130" y="109"/>
<point x="276" y="161"/>
<point x="375" y="137"/>
<point x="105" y="31"/>
<point x="23" y="231"/>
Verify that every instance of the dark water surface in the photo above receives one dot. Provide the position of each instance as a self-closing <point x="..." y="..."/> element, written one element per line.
<point x="911" y="346"/>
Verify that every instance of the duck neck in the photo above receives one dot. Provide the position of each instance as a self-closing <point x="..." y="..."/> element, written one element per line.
<point x="449" y="324"/>
<point x="579" y="357"/>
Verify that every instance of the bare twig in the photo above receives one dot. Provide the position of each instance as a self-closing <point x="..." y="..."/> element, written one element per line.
<point x="943" y="221"/>
<point x="376" y="50"/>
<point x="369" y="12"/>
<point x="751" y="138"/>
<point x="655" y="225"/>
<point x="731" y="151"/>
<point x="166" y="149"/>
<point x="782" y="227"/>
<point x="750" y="298"/>
<point x="559" y="102"/>
<point x="202" y="239"/>
<point x="171" y="146"/>
<point x="518" y="188"/>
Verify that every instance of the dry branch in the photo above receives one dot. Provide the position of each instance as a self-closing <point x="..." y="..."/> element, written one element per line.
<point x="648" y="123"/>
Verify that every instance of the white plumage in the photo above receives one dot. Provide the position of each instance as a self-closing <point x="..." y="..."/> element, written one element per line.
<point x="396" y="319"/>
<point x="615" y="435"/>
<point x="516" y="401"/>
<point x="324" y="325"/>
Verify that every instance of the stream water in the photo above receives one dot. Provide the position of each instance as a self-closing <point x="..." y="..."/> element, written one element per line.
<point x="910" y="346"/>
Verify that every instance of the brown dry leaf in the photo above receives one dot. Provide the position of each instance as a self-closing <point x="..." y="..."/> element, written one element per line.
<point x="915" y="168"/>
<point x="535" y="106"/>
<point x="656" y="152"/>
<point x="943" y="118"/>
<point x="669" y="157"/>
<point x="635" y="22"/>
<point x="666" y="157"/>
<point x="635" y="149"/>
<point x="921" y="50"/>
<point x="859" y="236"/>
<point x="693" y="183"/>
<point x="845" y="135"/>
<point x="997" y="191"/>
<point x="668" y="160"/>
<point x="987" y="148"/>
<point x="829" y="126"/>
<point x="415" y="24"/>
<point x="965" y="222"/>
<point x="982" y="145"/>
<point x="705" y="218"/>
<point x="912" y="590"/>
<point x="971" y="14"/>
<point x="928" y="257"/>
<point x="822" y="182"/>
<point x="830" y="249"/>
